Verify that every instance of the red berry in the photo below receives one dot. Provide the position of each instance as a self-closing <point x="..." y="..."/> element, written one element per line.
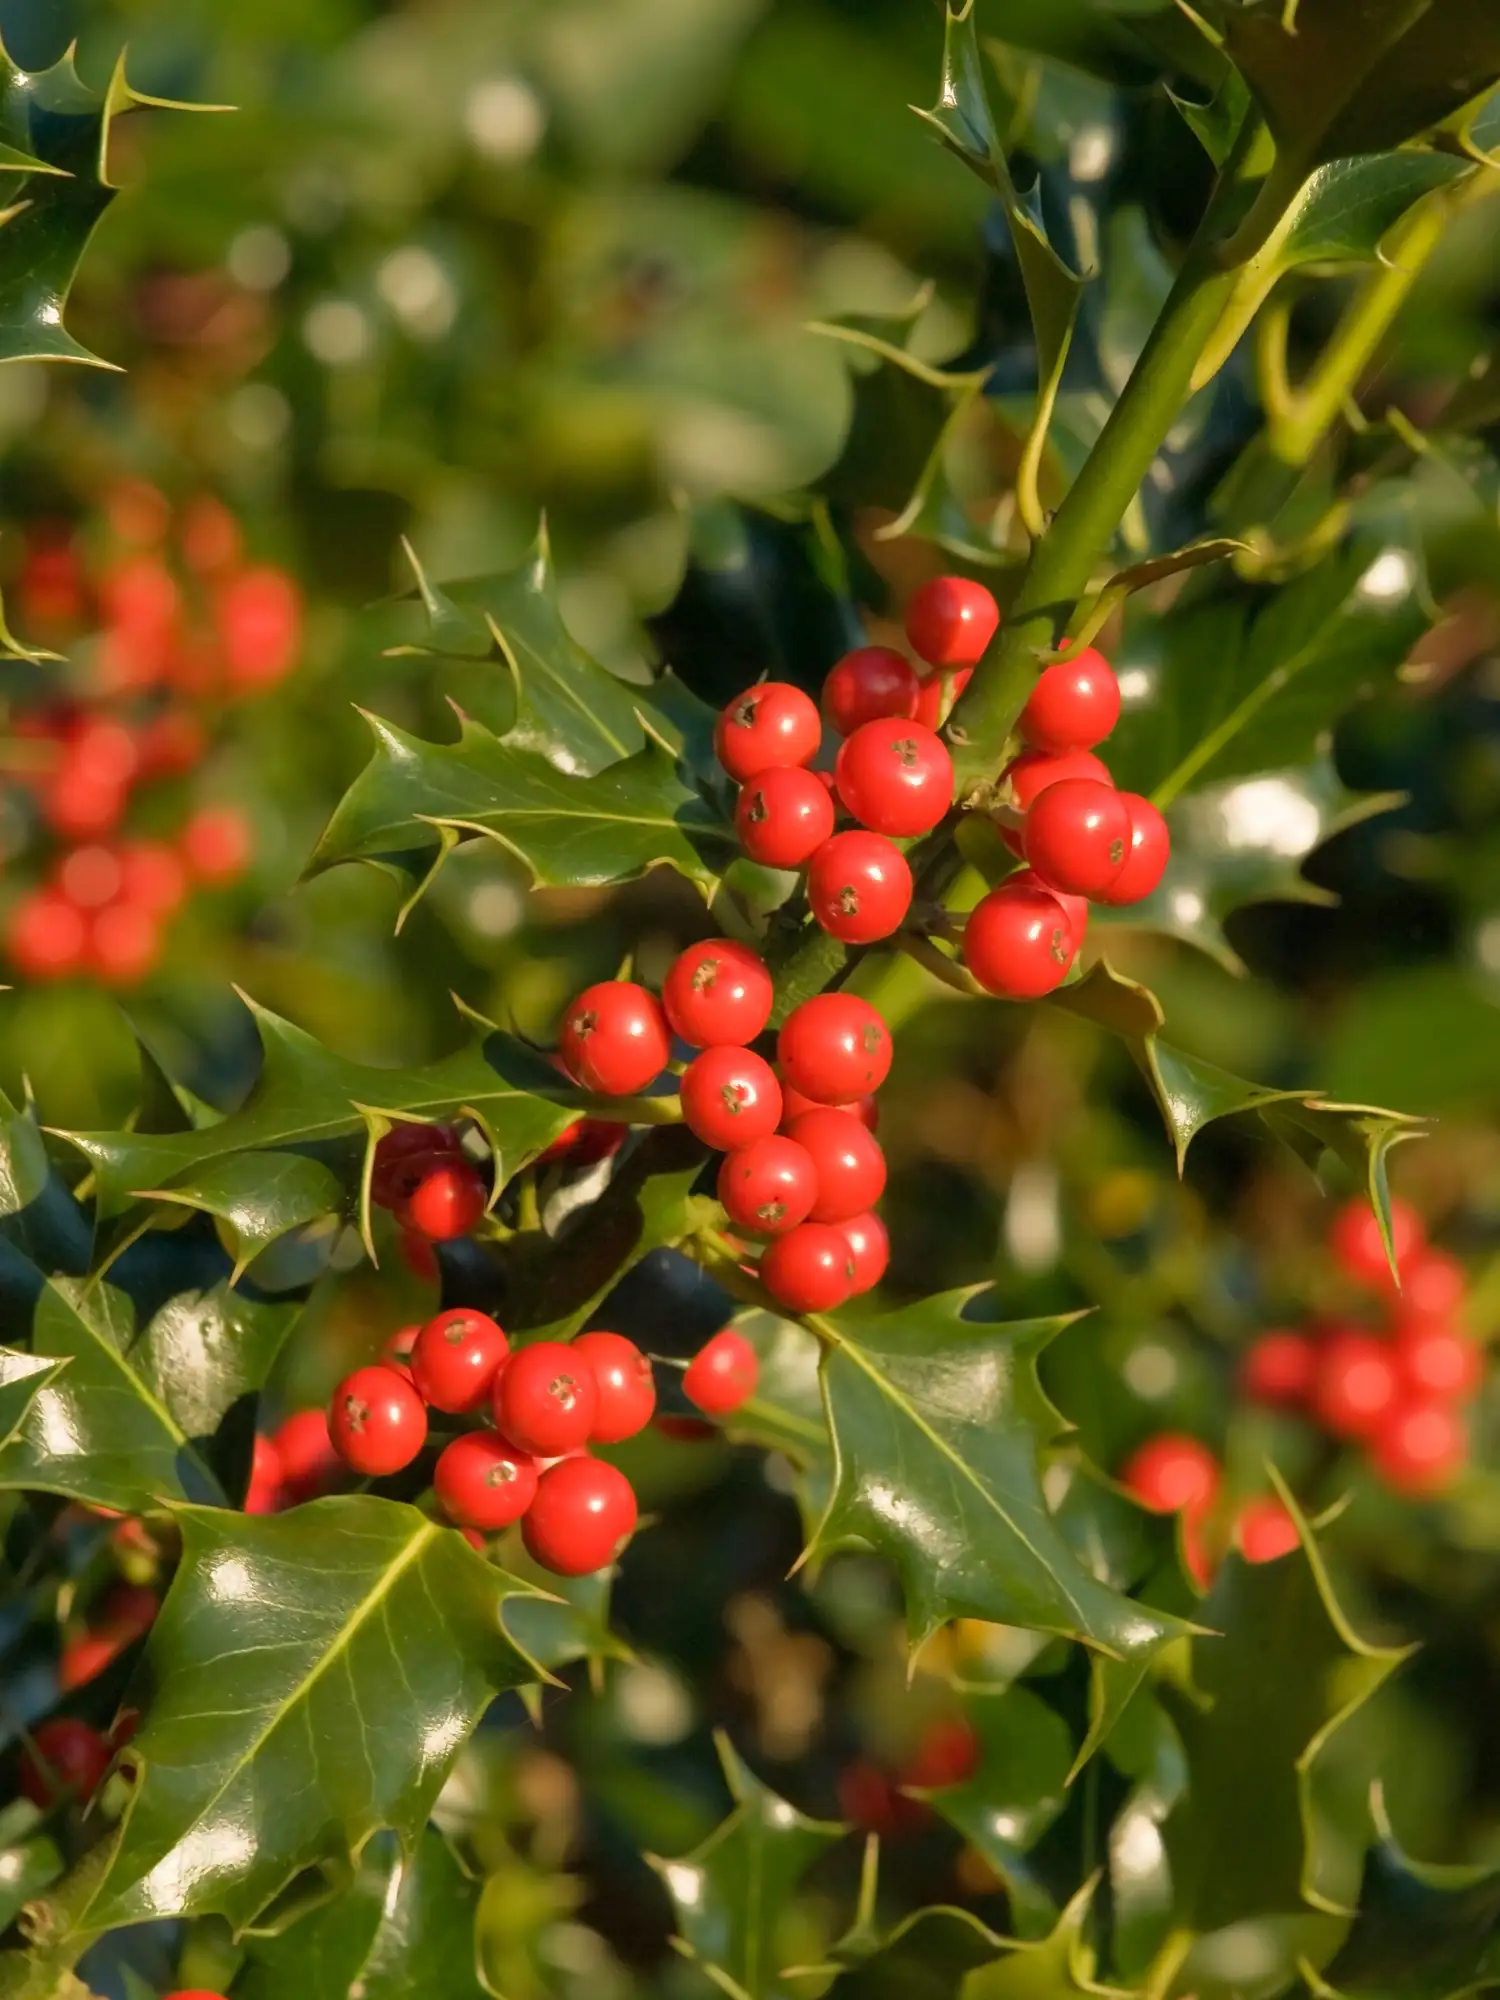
<point x="948" y="1754"/>
<point x="259" y="615"/>
<point x="208" y="535"/>
<point x="846" y="1159"/>
<point x="193" y="1993"/>
<point x="622" y="1376"/>
<point x="397" y="1351"/>
<point x="683" y="1430"/>
<point x="722" y="1374"/>
<point x="1074" y="705"/>
<point x="1433" y="1286"/>
<point x="1356" y="1383"/>
<point x="870" y="682"/>
<point x="446" y="1202"/>
<point x="1265" y="1530"/>
<point x="768" y="1187"/>
<point x="130" y="1609"/>
<point x="583" y="1515"/>
<point x="951" y="620"/>
<point x="811" y="1269"/>
<point x="895" y="777"/>
<point x="546" y="1398"/>
<point x="870" y="1246"/>
<point x="859" y="887"/>
<point x="1034" y="770"/>
<point x="730" y="1097"/>
<point x="614" y="1038"/>
<point x="717" y="994"/>
<point x="1280" y="1368"/>
<point x="783" y="817"/>
<point x="1438" y="1363"/>
<point x="1354" y="1239"/>
<point x="1074" y="908"/>
<point x="938" y="694"/>
<point x="456" y="1358"/>
<point x="265" y="1493"/>
<point x="1172" y="1474"/>
<point x="90" y="877"/>
<point x="151" y="876"/>
<point x="217" y="844"/>
<point x="1148" y="854"/>
<point x="309" y="1463"/>
<point x="81" y="807"/>
<point x="419" y="1257"/>
<point x="64" y="1756"/>
<point x="483" y="1481"/>
<point x="172" y="743"/>
<point x="1077" y="836"/>
<point x="1419" y="1448"/>
<point x="1018" y="943"/>
<point x="403" y="1155"/>
<point x="794" y="1102"/>
<point x="833" y="1048"/>
<point x="86" y="1657"/>
<point x="771" y="726"/>
<point x="585" y="1142"/>
<point x="124" y="944"/>
<point x="104" y="752"/>
<point x="377" y="1421"/>
<point x="46" y="937"/>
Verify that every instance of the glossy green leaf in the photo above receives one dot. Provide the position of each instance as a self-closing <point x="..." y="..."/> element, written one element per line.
<point x="1346" y="208"/>
<point x="786" y="1412"/>
<point x="1056" y="1966"/>
<point x="402" y="1930"/>
<point x="569" y="1623"/>
<point x="922" y="1957"/>
<point x="1146" y="1749"/>
<point x="258" y="1197"/>
<point x="38" y="1215"/>
<point x="204" y="1350"/>
<point x="274" y="1740"/>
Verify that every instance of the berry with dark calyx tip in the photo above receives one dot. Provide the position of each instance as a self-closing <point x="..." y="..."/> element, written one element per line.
<point x="456" y="1358"/>
<point x="895" y="777"/>
<point x="1077" y="836"/>
<point x="546" y="1399"/>
<point x="1172" y="1473"/>
<point x="722" y="1375"/>
<point x="718" y="994"/>
<point x="397" y="1351"/>
<point x="65" y="1757"/>
<point x="1438" y="1363"/>
<point x="1419" y="1448"/>
<point x="309" y="1463"/>
<point x="859" y="887"/>
<point x="834" y="1048"/>
<point x="152" y="876"/>
<point x="446" y="1202"/>
<point x="217" y="844"/>
<point x="794" y="1102"/>
<point x="1433" y="1286"/>
<point x="1265" y="1531"/>
<point x="124" y="944"/>
<point x="846" y="1159"/>
<point x="1354" y="1238"/>
<point x="1147" y="856"/>
<point x="377" y="1421"/>
<point x="403" y="1155"/>
<point x="768" y="1187"/>
<point x="483" y="1481"/>
<point x="615" y="1039"/>
<point x="1030" y="774"/>
<point x="1074" y="908"/>
<point x="46" y="937"/>
<point x="583" y="1515"/>
<point x="1074" y="705"/>
<point x="730" y="1098"/>
<point x="1356" y="1385"/>
<point x="784" y="816"/>
<point x="810" y="1269"/>
<point x="622" y="1376"/>
<point x="1279" y="1368"/>
<point x="938" y="694"/>
<point x="771" y="726"/>
<point x="1018" y="942"/>
<point x="870" y="1245"/>
<point x="265" y="1492"/>
<point x="951" y="620"/>
<point x="870" y="682"/>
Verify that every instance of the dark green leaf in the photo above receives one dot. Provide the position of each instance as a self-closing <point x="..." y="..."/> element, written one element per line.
<point x="30" y="1860"/>
<point x="1346" y="208"/>
<point x="37" y="1213"/>
<point x="204" y="1350"/>
<point x="258" y="1197"/>
<point x="786" y="1412"/>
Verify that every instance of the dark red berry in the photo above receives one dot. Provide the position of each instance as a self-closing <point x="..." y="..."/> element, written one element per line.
<point x="1356" y="1385"/>
<point x="772" y="726"/>
<point x="948" y="1754"/>
<point x="1074" y="705"/>
<point x="717" y="995"/>
<point x="377" y="1421"/>
<point x="65" y="1757"/>
<point x="1077" y="836"/>
<point x="446" y="1202"/>
<point x="309" y="1463"/>
<point x="811" y="1269"/>
<point x="1354" y="1238"/>
<point x="870" y="682"/>
<point x="1265" y="1530"/>
<point x="1147" y="856"/>
<point x="870" y="1245"/>
<point x="730" y="1097"/>
<point x="265" y="1492"/>
<point x="847" y="1160"/>
<point x="403" y="1155"/>
<point x="614" y="1038"/>
<point x="482" y="1481"/>
<point x="1019" y="943"/>
<point x="951" y="620"/>
<point x="834" y="1048"/>
<point x="583" y="1515"/>
<point x="895" y="777"/>
<point x="456" y="1358"/>
<point x="1437" y="1363"/>
<point x="1280" y="1369"/>
<point x="859" y="887"/>
<point x="1419" y="1448"/>
<point x="622" y="1376"/>
<point x="1172" y="1473"/>
<point x="722" y="1374"/>
<point x="768" y="1187"/>
<point x="546" y="1399"/>
<point x="783" y="817"/>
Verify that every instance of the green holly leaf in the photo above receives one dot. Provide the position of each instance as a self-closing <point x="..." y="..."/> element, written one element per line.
<point x="937" y="1418"/>
<point x="30" y="1859"/>
<point x="730" y="1896"/>
<point x="258" y="1760"/>
<point x="258" y="1198"/>
<point x="1055" y="1966"/>
<point x="567" y="1621"/>
<point x="786" y="1412"/>
<point x="38" y="1215"/>
<point x="205" y="1350"/>
<point x="1146" y="1749"/>
<point x="402" y="1930"/>
<point x="923" y="1957"/>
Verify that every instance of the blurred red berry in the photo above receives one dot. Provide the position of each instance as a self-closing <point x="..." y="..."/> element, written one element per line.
<point x="85" y="1657"/>
<point x="1433" y="1286"/>
<point x="263" y="1495"/>
<point x="585" y="1142"/>
<point x="396" y="1352"/>
<point x="208" y="535"/>
<point x="124" y="944"/>
<point x="1438" y="1362"/>
<point x="171" y="743"/>
<point x="309" y="1463"/>
<point x="152" y="876"/>
<point x="1355" y="1240"/>
<point x="90" y="877"/>
<point x="1356" y="1383"/>
<point x="1265" y="1530"/>
<point x="1172" y="1473"/>
<point x="722" y="1374"/>
<point x="65" y="1757"/>
<point x="1279" y="1368"/>
<point x="948" y="1754"/>
<point x="446" y="1202"/>
<point x="217" y="844"/>
<point x="1420" y="1448"/>
<point x="259" y="614"/>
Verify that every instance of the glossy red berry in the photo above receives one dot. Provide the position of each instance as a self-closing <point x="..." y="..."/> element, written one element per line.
<point x="811" y="1269"/>
<point x="403" y="1155"/>
<point x="546" y="1398"/>
<point x="771" y="726"/>
<point x="769" y="1187"/>
<point x="847" y="1160"/>
<point x="397" y="1351"/>
<point x="1419" y="1448"/>
<point x="1437" y="1363"/>
<point x="834" y="1048"/>
<point x="446" y="1202"/>
<point x="794" y="1102"/>
<point x="1433" y="1286"/>
<point x="309" y="1463"/>
<point x="585" y="1142"/>
<point x="1280" y="1368"/>
<point x="1033" y="771"/>
<point x="1172" y="1473"/>
<point x="265" y="1492"/>
<point x="730" y="1098"/>
<point x="870" y="1245"/>
<point x="583" y="1515"/>
<point x="895" y="777"/>
<point x="859" y="887"/>
<point x="1077" y="836"/>
<point x="46" y="937"/>
<point x="1074" y="908"/>
<point x="1019" y="942"/>
<point x="722" y="1374"/>
<point x="784" y="816"/>
<point x="938" y="693"/>
<point x="65" y="1757"/>
<point x="1074" y="705"/>
<point x="483" y="1481"/>
<point x="1356" y="1384"/>
<point x="1147" y="856"/>
<point x="217" y="844"/>
<point x="455" y="1360"/>
<point x="1354" y="1238"/>
<point x="614" y="1038"/>
<point x="1265" y="1530"/>
<point x="866" y="684"/>
<point x="951" y="620"/>
<point x="622" y="1376"/>
<point x="377" y="1421"/>
<point x="718" y="994"/>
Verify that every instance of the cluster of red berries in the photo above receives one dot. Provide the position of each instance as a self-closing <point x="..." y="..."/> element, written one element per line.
<point x="181" y="624"/>
<point x="1173" y="1473"/>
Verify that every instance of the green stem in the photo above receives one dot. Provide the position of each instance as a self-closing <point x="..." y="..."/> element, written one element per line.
<point x="1166" y="1965"/>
